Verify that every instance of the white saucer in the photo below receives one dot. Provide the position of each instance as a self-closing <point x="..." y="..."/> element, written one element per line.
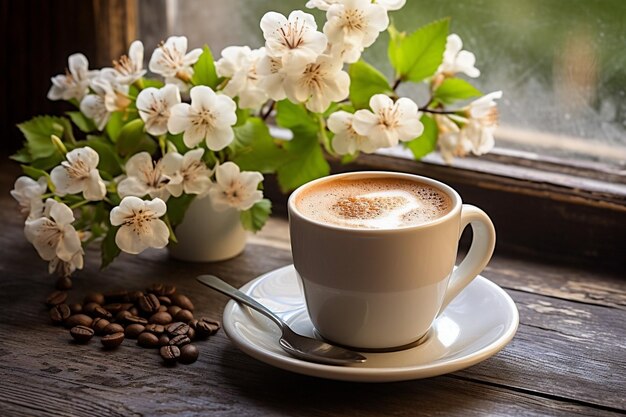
<point x="475" y="326"/>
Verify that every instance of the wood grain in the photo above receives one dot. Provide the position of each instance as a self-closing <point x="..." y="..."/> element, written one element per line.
<point x="566" y="359"/>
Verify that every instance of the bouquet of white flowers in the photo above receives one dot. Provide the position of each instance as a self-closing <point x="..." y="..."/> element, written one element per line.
<point x="124" y="166"/>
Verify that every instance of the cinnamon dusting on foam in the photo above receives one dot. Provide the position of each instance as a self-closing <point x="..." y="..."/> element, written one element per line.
<point x="373" y="203"/>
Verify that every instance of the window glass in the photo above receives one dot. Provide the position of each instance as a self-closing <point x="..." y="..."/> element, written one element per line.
<point x="560" y="63"/>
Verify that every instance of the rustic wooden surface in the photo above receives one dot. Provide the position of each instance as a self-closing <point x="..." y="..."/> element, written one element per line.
<point x="568" y="357"/>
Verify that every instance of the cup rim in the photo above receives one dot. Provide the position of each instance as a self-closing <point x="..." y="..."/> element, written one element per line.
<point x="454" y="196"/>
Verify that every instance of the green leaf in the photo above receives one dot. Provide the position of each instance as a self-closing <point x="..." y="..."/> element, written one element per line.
<point x="418" y="55"/>
<point x="455" y="89"/>
<point x="49" y="162"/>
<point x="34" y="173"/>
<point x="151" y="82"/>
<point x="296" y="118"/>
<point x="81" y="121"/>
<point x="177" y="140"/>
<point x="109" y="161"/>
<point x="38" y="131"/>
<point x="109" y="249"/>
<point x="254" y="149"/>
<point x="254" y="218"/>
<point x="204" y="70"/>
<point x="177" y="207"/>
<point x="365" y="81"/>
<point x="114" y="125"/>
<point x="305" y="162"/>
<point x="427" y="142"/>
<point x="21" y="156"/>
<point x="130" y="137"/>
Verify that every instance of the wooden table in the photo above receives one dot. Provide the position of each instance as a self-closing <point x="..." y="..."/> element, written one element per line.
<point x="568" y="357"/>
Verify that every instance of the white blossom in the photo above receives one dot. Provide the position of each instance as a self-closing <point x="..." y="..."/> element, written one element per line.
<point x="75" y="83"/>
<point x="65" y="269"/>
<point x="28" y="193"/>
<point x="234" y="188"/>
<point x="209" y="117"/>
<point x="129" y="67"/>
<point x="272" y="77"/>
<point x="319" y="84"/>
<point x="110" y="96"/>
<point x="391" y="4"/>
<point x="53" y="235"/>
<point x="452" y="142"/>
<point x="79" y="174"/>
<point x="172" y="61"/>
<point x="456" y="60"/>
<point x="144" y="177"/>
<point x="140" y="226"/>
<point x="321" y="4"/>
<point x="485" y="105"/>
<point x="459" y="135"/>
<point x="239" y="63"/>
<point x="295" y="40"/>
<point x="388" y="122"/>
<point x="187" y="173"/>
<point x="346" y="139"/>
<point x="353" y="25"/>
<point x="154" y="106"/>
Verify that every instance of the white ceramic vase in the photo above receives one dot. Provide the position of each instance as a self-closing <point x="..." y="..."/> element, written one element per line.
<point x="206" y="235"/>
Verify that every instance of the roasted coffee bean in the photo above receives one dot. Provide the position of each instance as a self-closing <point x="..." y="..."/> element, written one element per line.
<point x="191" y="333"/>
<point x="114" y="308"/>
<point x="155" y="328"/>
<point x="90" y="307"/>
<point x="180" y="340"/>
<point x="60" y="313"/>
<point x="148" y="340"/>
<point x="188" y="354"/>
<point x="56" y="298"/>
<point x="78" y="320"/>
<point x="178" y="328"/>
<point x="162" y="317"/>
<point x="165" y="300"/>
<point x="149" y="303"/>
<point x="169" y="354"/>
<point x="118" y="296"/>
<point x="102" y="313"/>
<point x="113" y="328"/>
<point x="76" y="308"/>
<point x="134" y="310"/>
<point x="64" y="283"/>
<point x="173" y="310"/>
<point x="156" y="288"/>
<point x="135" y="319"/>
<point x="162" y="308"/>
<point x="123" y="315"/>
<point x="99" y="325"/>
<point x="112" y="340"/>
<point x="164" y="340"/>
<point x="206" y="327"/>
<point x="133" y="330"/>
<point x="94" y="297"/>
<point x="82" y="334"/>
<point x="134" y="295"/>
<point x="181" y="301"/>
<point x="184" y="316"/>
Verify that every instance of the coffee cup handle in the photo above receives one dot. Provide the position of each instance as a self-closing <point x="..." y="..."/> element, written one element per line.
<point x="481" y="249"/>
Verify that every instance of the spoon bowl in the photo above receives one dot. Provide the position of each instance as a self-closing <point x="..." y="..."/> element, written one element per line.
<point x="299" y="346"/>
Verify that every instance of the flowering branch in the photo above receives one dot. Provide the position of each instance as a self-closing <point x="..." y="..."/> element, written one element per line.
<point x="140" y="149"/>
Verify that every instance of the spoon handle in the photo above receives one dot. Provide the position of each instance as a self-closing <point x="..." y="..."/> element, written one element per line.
<point x="217" y="284"/>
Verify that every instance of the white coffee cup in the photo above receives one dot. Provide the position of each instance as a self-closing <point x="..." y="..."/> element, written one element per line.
<point x="383" y="288"/>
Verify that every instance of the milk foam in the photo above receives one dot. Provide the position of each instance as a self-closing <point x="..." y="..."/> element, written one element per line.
<point x="373" y="203"/>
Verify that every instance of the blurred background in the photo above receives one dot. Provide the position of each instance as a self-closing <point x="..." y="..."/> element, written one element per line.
<point x="560" y="63"/>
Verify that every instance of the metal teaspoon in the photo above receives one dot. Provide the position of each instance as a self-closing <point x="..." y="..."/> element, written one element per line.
<point x="297" y="345"/>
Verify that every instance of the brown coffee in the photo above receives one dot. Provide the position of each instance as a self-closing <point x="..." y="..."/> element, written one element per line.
<point x="373" y="203"/>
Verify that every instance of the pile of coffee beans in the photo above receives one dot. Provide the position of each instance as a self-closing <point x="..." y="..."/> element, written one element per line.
<point x="158" y="317"/>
